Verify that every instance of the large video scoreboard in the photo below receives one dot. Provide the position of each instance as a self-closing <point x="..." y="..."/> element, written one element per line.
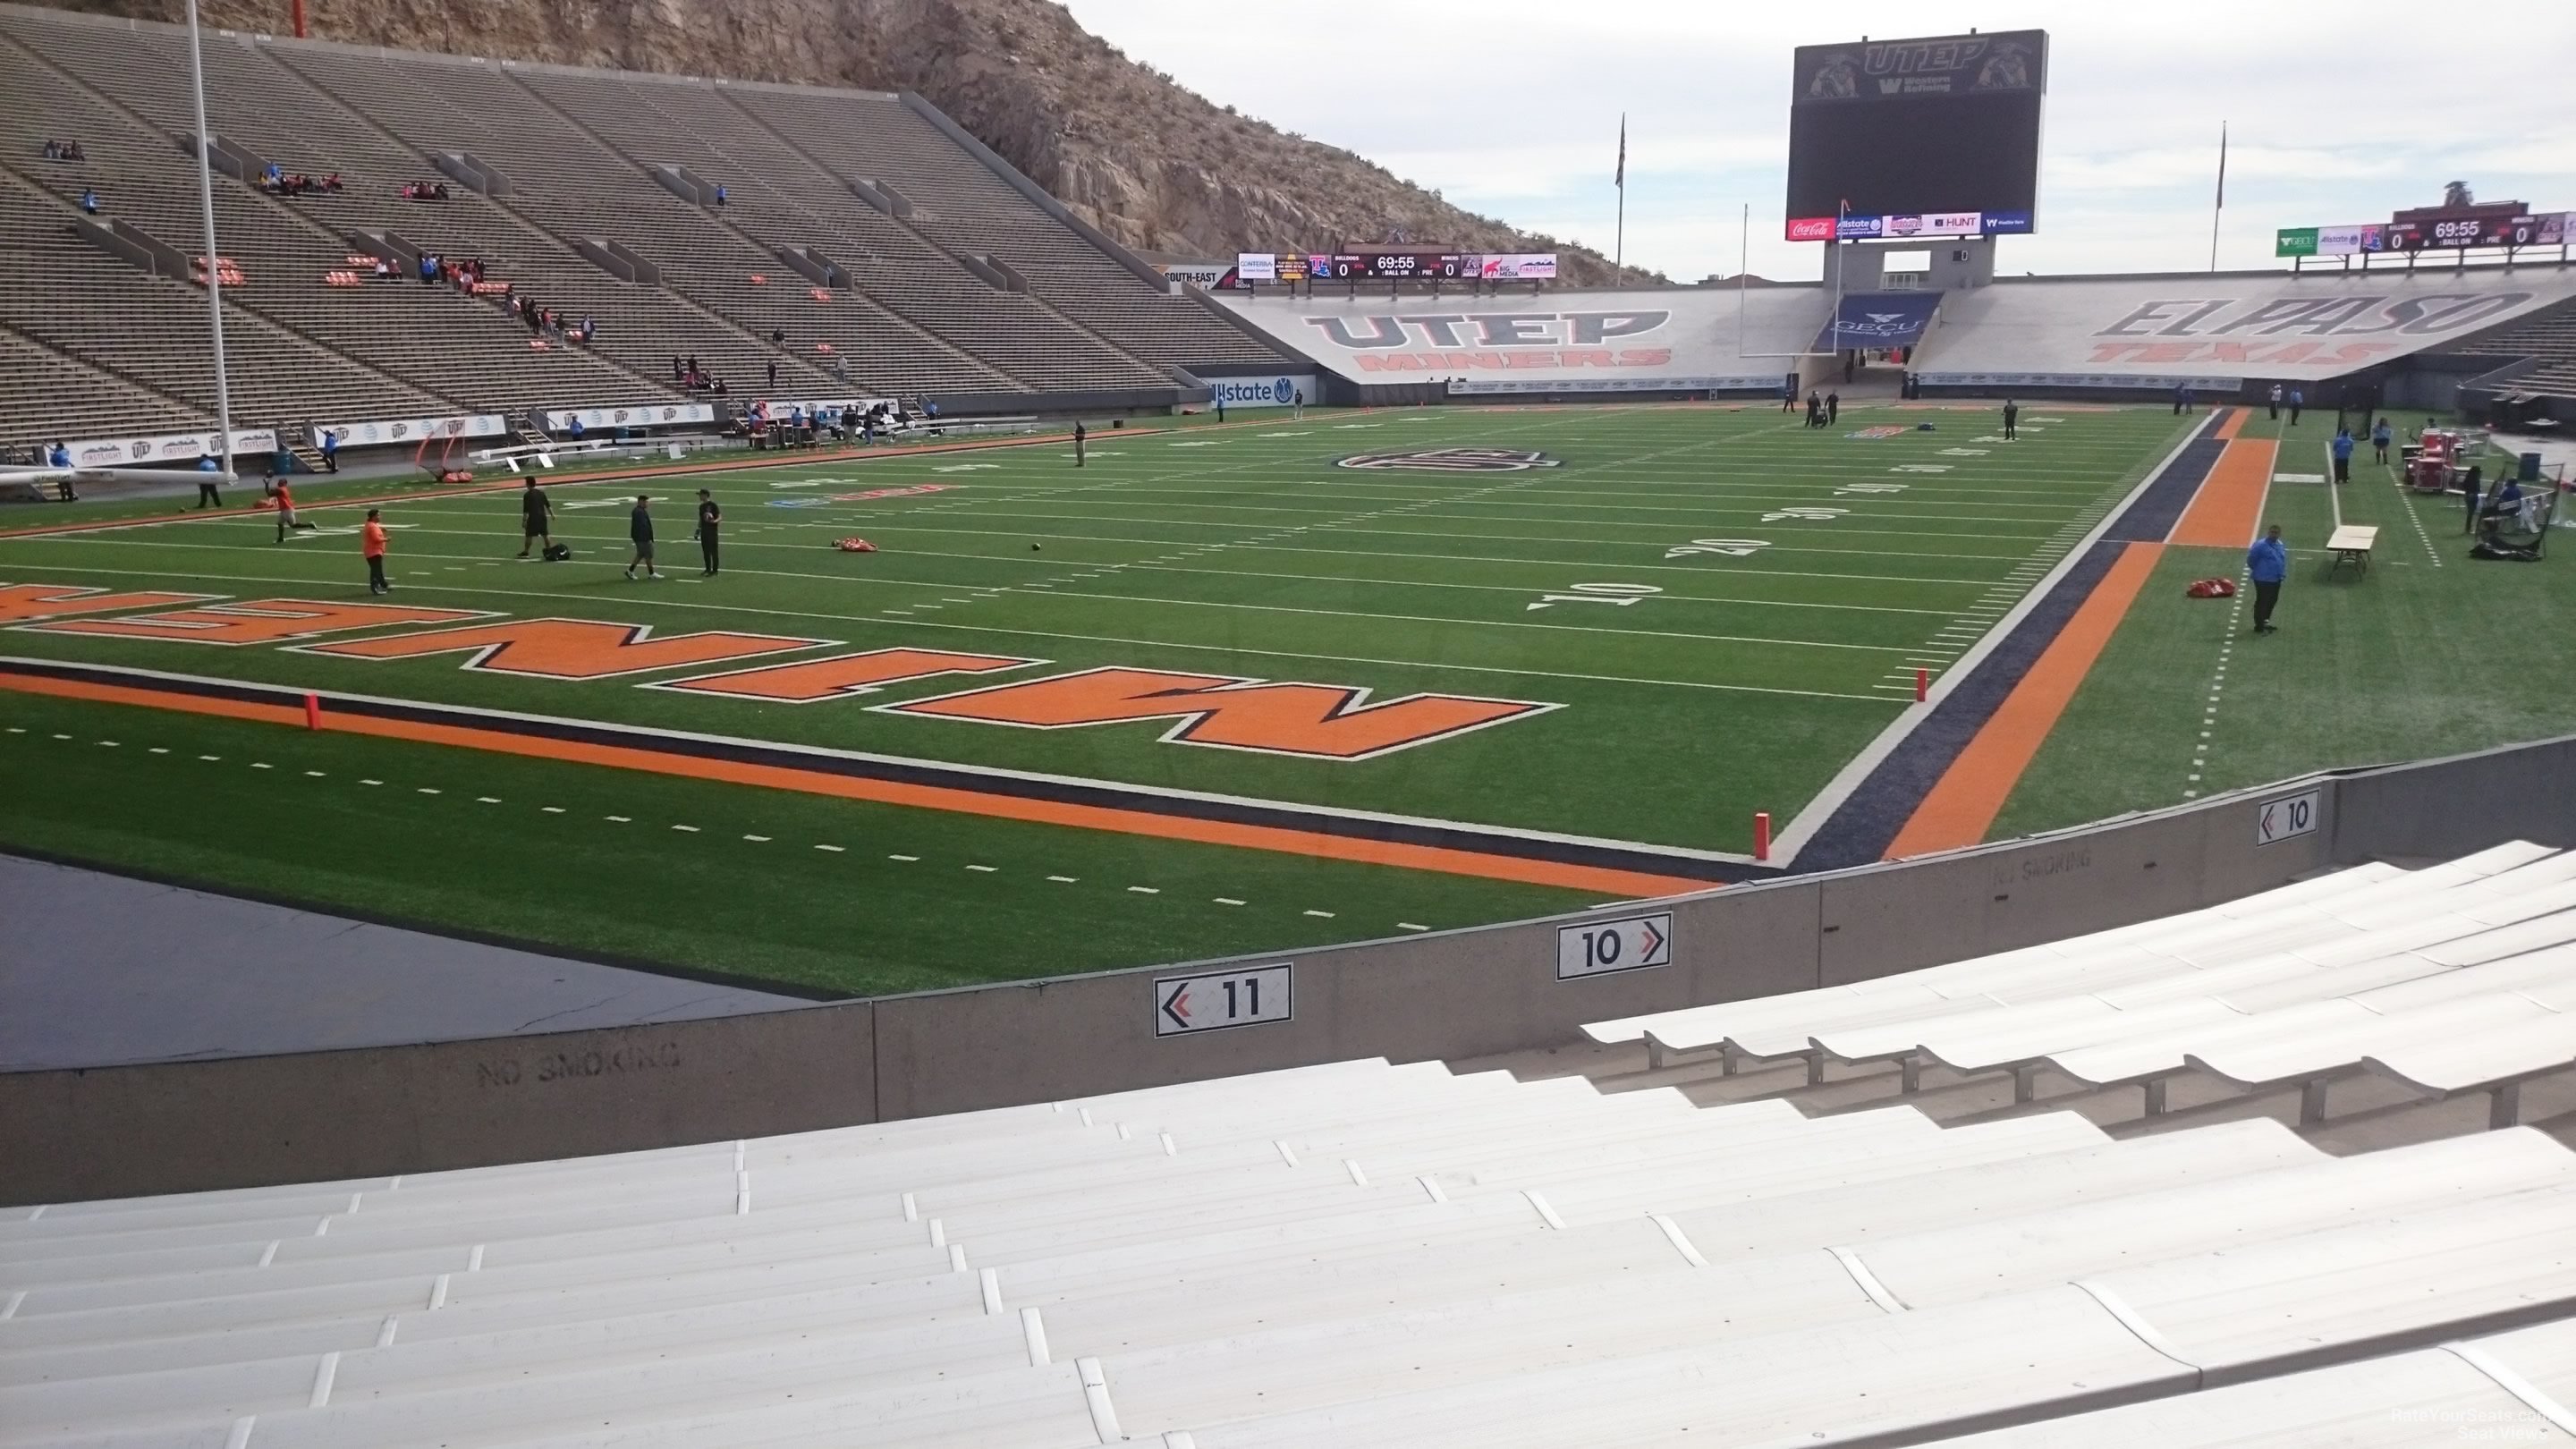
<point x="1896" y="131"/>
<point x="1395" y="266"/>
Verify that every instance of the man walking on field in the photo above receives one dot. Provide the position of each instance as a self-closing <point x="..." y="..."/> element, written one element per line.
<point x="639" y="527"/>
<point x="371" y="546"/>
<point x="536" y="519"/>
<point x="2267" y="563"/>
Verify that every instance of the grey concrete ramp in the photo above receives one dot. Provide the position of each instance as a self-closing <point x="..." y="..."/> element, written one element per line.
<point x="103" y="970"/>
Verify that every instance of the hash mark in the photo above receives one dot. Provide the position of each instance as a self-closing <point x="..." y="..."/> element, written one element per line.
<point x="903" y="857"/>
<point x="1327" y="915"/>
<point x="1227" y="901"/>
<point x="1146" y="890"/>
<point x="836" y="850"/>
<point x="1064" y="879"/>
<point x="691" y="829"/>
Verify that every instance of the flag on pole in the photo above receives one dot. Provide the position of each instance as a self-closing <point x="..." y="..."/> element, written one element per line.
<point x="1619" y="178"/>
<point x="2222" y="165"/>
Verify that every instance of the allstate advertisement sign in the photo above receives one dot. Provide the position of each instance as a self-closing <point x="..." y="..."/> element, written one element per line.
<point x="1279" y="390"/>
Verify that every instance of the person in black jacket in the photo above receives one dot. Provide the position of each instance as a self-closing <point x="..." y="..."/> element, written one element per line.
<point x="639" y="527"/>
<point x="709" y="515"/>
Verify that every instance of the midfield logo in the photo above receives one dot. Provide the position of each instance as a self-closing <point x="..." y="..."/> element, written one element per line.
<point x="1453" y="460"/>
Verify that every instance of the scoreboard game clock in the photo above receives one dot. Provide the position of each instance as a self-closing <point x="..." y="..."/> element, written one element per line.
<point x="1396" y="266"/>
<point x="2446" y="232"/>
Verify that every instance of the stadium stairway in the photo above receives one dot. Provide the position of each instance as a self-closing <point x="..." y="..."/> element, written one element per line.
<point x="1354" y="1254"/>
<point x="81" y="400"/>
<point x="2364" y="1008"/>
<point x="2549" y="336"/>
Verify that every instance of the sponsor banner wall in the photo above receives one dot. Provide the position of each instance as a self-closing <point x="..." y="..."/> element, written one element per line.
<point x="1519" y="266"/>
<point x="1257" y="266"/>
<point x="1768" y="382"/>
<point x="167" y="448"/>
<point x="411" y="430"/>
<point x="642" y="415"/>
<point x="1266" y="390"/>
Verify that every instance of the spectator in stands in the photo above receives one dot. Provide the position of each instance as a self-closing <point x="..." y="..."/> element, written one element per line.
<point x="676" y="374"/>
<point x="2342" y="449"/>
<point x="2379" y="436"/>
<point x="371" y="547"/>
<point x="384" y="270"/>
<point x="840" y="368"/>
<point x="2298" y="400"/>
<point x="572" y="427"/>
<point x="722" y="195"/>
<point x="429" y="269"/>
<point x="275" y="177"/>
<point x="930" y="409"/>
<point x="89" y="201"/>
<point x="773" y="374"/>
<point x="639" y="527"/>
<point x="331" y="181"/>
<point x="778" y="336"/>
<point x="720" y="388"/>
<point x="60" y="456"/>
<point x="209" y="491"/>
<point x="330" y="451"/>
<point x="2267" y="563"/>
<point x="589" y="331"/>
<point x="54" y="151"/>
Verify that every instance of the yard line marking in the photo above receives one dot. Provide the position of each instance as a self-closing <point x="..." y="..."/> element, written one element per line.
<point x="1327" y="915"/>
<point x="984" y="869"/>
<point x="619" y="819"/>
<point x="1146" y="890"/>
<point x="422" y="790"/>
<point x="261" y="765"/>
<point x="552" y="809"/>
<point x="757" y="839"/>
<point x="836" y="850"/>
<point x="1410" y="926"/>
<point x="691" y="829"/>
<point x="487" y="799"/>
<point x="903" y="857"/>
<point x="1227" y="901"/>
<point x="362" y="782"/>
<point x="1064" y="879"/>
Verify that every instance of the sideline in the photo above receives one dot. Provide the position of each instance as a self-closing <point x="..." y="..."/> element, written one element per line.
<point x="1963" y="803"/>
<point x="1088" y="805"/>
<point x="2229" y="506"/>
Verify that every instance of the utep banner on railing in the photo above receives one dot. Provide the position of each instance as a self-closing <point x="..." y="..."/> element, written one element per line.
<point x="1878" y="319"/>
<point x="652" y="415"/>
<point x="167" y="448"/>
<point x="383" y="431"/>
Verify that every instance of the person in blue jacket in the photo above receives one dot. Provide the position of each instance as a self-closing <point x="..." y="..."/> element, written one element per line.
<point x="2342" y="448"/>
<point x="2267" y="563"/>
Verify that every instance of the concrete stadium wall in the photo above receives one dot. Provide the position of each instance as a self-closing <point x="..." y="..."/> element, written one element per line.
<point x="322" y="1116"/>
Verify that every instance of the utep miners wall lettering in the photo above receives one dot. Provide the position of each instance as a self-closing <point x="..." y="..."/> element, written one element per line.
<point x="1298" y="719"/>
<point x="1473" y="341"/>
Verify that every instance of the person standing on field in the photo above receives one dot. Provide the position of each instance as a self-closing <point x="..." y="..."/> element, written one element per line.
<point x="371" y="546"/>
<point x="2267" y="563"/>
<point x="2276" y="400"/>
<point x="1833" y="408"/>
<point x="2298" y="401"/>
<point x="1078" y="436"/>
<point x="2342" y="449"/>
<point x="2012" y="420"/>
<point x="709" y="515"/>
<point x="210" y="477"/>
<point x="536" y="518"/>
<point x="2379" y="436"/>
<point x="639" y="527"/>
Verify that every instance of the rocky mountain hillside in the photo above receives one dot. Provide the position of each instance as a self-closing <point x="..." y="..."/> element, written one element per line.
<point x="1147" y="161"/>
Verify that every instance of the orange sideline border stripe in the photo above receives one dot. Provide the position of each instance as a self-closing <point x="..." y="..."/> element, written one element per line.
<point x="2228" y="426"/>
<point x="2229" y="506"/>
<point x="1962" y="805"/>
<point x="890" y="792"/>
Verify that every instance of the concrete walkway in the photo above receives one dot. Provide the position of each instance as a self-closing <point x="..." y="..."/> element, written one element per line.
<point x="102" y="970"/>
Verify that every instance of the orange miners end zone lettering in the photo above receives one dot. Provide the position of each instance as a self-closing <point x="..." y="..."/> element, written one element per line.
<point x="21" y="602"/>
<point x="566" y="648"/>
<point x="841" y="676"/>
<point x="1286" y="840"/>
<point x="262" y="621"/>
<point x="1963" y="804"/>
<point x="1312" y="721"/>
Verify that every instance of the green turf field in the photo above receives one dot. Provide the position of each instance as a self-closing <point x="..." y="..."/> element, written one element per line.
<point x="1709" y="612"/>
<point x="2430" y="654"/>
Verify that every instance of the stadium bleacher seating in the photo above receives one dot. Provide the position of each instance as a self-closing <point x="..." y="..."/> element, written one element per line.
<point x="2453" y="981"/>
<point x="1351" y="1254"/>
<point x="2550" y="337"/>
<point x="916" y="311"/>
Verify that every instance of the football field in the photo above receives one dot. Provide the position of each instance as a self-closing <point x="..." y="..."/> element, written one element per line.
<point x="1219" y="689"/>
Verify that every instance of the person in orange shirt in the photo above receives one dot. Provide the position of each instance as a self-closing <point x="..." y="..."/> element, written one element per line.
<point x="284" y="501"/>
<point x="371" y="543"/>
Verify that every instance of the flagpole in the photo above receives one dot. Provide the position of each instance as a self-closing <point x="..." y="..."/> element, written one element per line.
<point x="2220" y="204"/>
<point x="1619" y="237"/>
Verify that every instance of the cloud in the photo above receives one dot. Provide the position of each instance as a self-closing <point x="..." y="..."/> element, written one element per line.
<point x="1511" y="110"/>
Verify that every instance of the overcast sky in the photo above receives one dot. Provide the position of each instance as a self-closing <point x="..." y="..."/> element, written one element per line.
<point x="2337" y="114"/>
